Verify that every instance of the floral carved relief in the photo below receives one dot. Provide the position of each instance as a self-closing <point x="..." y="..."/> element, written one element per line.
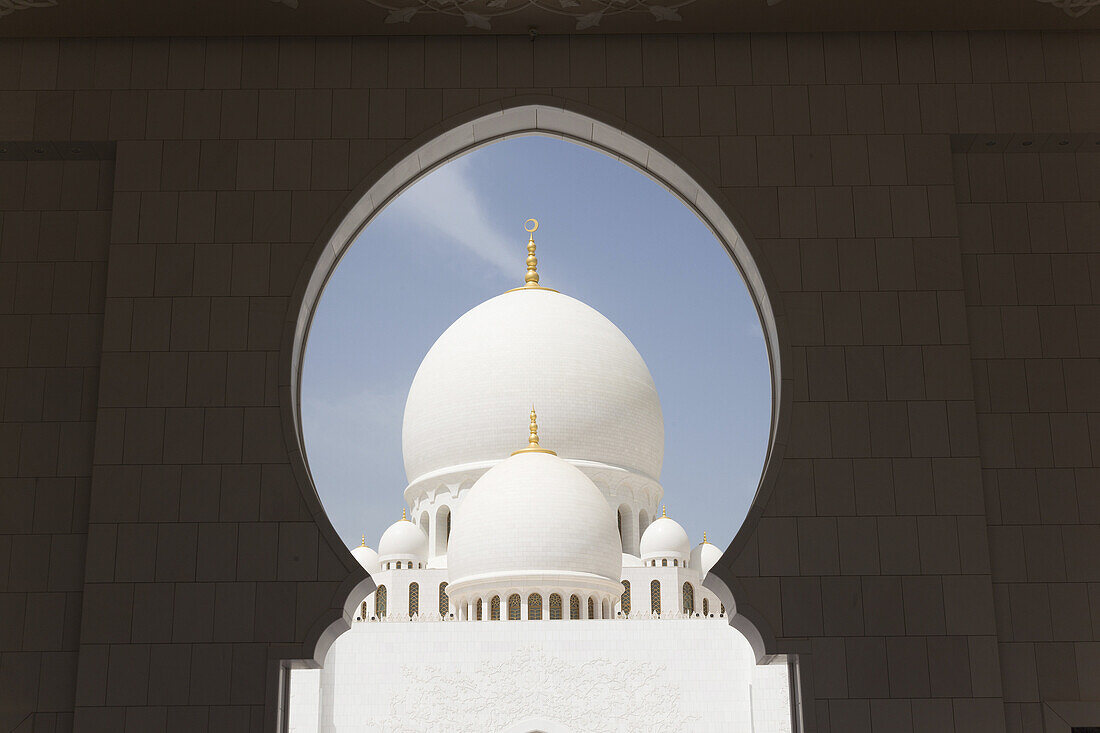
<point x="533" y="683"/>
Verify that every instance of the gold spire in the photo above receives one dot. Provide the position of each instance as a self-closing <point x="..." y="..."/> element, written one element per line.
<point x="704" y="537"/>
<point x="664" y="510"/>
<point x="363" y="542"/>
<point x="533" y="438"/>
<point x="531" y="280"/>
<point x="403" y="516"/>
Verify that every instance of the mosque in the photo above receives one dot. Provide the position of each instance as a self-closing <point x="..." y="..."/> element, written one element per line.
<point x="533" y="441"/>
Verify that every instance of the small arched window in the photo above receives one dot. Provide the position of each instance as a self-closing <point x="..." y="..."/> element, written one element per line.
<point x="655" y="596"/>
<point x="363" y="612"/>
<point x="513" y="607"/>
<point x="478" y="609"/>
<point x="380" y="601"/>
<point x="591" y="608"/>
<point x="574" y="607"/>
<point x="555" y="607"/>
<point x="414" y="598"/>
<point x="494" y="609"/>
<point x="675" y="563"/>
<point x="534" y="607"/>
<point x="444" y="601"/>
<point x="689" y="598"/>
<point x="706" y="607"/>
<point x="624" y="603"/>
<point x="664" y="563"/>
<point x="723" y="609"/>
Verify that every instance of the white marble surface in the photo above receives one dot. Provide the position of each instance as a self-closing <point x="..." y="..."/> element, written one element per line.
<point x="594" y="395"/>
<point x="615" y="675"/>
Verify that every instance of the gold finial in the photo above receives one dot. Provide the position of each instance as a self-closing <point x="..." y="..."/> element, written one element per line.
<point x="664" y="511"/>
<point x="531" y="280"/>
<point x="363" y="542"/>
<point x="533" y="438"/>
<point x="403" y="516"/>
<point x="704" y="537"/>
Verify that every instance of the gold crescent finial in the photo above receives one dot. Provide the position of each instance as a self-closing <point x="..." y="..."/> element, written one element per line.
<point x="533" y="437"/>
<point x="531" y="280"/>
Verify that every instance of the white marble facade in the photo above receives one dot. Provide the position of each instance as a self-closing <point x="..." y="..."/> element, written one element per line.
<point x="641" y="675"/>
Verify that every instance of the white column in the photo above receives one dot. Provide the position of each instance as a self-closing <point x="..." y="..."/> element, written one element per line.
<point x="524" y="612"/>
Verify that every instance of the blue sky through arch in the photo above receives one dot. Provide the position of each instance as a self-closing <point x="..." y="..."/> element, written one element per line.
<point x="609" y="236"/>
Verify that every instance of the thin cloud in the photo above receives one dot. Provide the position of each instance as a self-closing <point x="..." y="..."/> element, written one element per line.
<point x="448" y="204"/>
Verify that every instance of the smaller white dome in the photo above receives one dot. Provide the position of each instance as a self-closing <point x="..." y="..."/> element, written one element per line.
<point x="534" y="520"/>
<point x="367" y="557"/>
<point x="665" y="538"/>
<point x="403" y="540"/>
<point x="704" y="556"/>
<point x="631" y="561"/>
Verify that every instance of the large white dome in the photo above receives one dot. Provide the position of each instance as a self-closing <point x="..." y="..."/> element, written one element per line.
<point x="534" y="519"/>
<point x="591" y="387"/>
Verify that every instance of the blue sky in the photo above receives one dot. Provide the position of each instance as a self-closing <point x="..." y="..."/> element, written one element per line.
<point x="608" y="236"/>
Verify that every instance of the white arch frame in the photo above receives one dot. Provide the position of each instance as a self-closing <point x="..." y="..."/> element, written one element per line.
<point x="530" y="115"/>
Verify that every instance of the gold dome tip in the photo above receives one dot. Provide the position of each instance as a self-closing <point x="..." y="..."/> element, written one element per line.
<point x="704" y="537"/>
<point x="664" y="511"/>
<point x="403" y="516"/>
<point x="363" y="542"/>
<point x="533" y="437"/>
<point x="531" y="279"/>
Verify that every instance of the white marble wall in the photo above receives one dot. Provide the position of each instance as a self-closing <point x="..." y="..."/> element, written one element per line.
<point x="638" y="675"/>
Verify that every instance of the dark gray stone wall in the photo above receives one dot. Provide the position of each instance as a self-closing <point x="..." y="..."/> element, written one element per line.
<point x="927" y="539"/>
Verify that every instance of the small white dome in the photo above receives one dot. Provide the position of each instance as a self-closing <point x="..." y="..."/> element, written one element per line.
<point x="665" y="538"/>
<point x="591" y="386"/>
<point x="367" y="557"/>
<point x="704" y="556"/>
<point x="403" y="540"/>
<point x="535" y="519"/>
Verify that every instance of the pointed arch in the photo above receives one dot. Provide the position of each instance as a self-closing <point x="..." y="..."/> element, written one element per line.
<point x="444" y="601"/>
<point x="442" y="529"/>
<point x="689" y="598"/>
<point x="514" y="607"/>
<point x="380" y="602"/>
<point x="534" y="607"/>
<point x="499" y="119"/>
<point x="624" y="601"/>
<point x="414" y="598"/>
<point x="494" y="609"/>
<point x="655" y="596"/>
<point x="555" y="607"/>
<point x="574" y="607"/>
